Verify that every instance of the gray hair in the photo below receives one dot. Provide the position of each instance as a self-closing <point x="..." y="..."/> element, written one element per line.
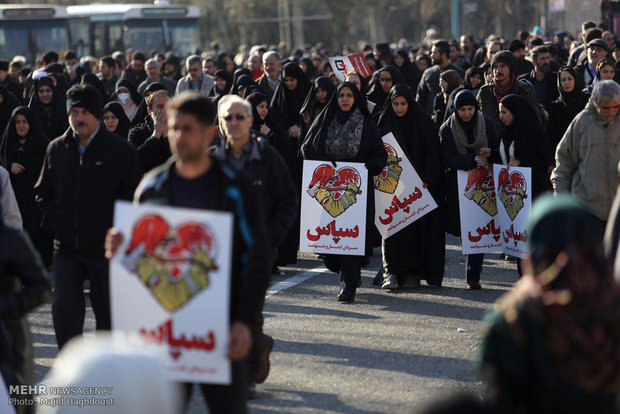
<point x="229" y="100"/>
<point x="605" y="91"/>
<point x="271" y="53"/>
<point x="150" y="62"/>
<point x="192" y="60"/>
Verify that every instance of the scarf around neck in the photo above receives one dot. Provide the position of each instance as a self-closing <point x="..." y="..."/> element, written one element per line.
<point x="501" y="92"/>
<point x="460" y="137"/>
<point x="344" y="139"/>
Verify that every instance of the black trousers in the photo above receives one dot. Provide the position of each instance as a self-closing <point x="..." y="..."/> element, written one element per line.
<point x="224" y="399"/>
<point x="473" y="267"/>
<point x="69" y="306"/>
<point x="349" y="267"/>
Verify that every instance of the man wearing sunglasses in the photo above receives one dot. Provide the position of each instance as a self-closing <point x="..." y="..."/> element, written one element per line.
<point x="244" y="150"/>
<point x="195" y="80"/>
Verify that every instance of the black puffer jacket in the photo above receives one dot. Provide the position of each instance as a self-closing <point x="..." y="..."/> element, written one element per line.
<point x="76" y="193"/>
<point x="251" y="258"/>
<point x="23" y="287"/>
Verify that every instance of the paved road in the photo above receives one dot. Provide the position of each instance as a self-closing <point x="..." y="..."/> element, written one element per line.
<point x="385" y="353"/>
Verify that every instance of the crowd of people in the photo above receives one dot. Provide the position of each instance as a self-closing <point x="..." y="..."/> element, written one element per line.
<point x="225" y="132"/>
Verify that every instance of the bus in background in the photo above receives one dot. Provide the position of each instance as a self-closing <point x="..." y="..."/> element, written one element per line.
<point x="101" y="29"/>
<point x="29" y="30"/>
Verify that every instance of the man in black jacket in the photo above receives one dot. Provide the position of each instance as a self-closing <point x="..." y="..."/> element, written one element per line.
<point x="542" y="78"/>
<point x="150" y="138"/>
<point x="242" y="149"/>
<point x="193" y="179"/>
<point x="84" y="172"/>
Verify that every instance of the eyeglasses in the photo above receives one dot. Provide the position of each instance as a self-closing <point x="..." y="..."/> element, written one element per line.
<point x="382" y="80"/>
<point x="238" y="117"/>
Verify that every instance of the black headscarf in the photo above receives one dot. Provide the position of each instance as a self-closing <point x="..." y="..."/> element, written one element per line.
<point x="531" y="147"/>
<point x="310" y="71"/>
<point x="92" y="79"/>
<point x="277" y="136"/>
<point x="411" y="130"/>
<point x="573" y="101"/>
<point x="409" y="72"/>
<point x="311" y="104"/>
<point x="238" y="73"/>
<point x="288" y="103"/>
<point x="471" y="72"/>
<point x="133" y="92"/>
<point x="244" y="82"/>
<point x="9" y="103"/>
<point x="222" y="74"/>
<point x="51" y="117"/>
<point x="36" y="140"/>
<point x="142" y="111"/>
<point x="314" y="142"/>
<point x="122" y="129"/>
<point x="376" y="93"/>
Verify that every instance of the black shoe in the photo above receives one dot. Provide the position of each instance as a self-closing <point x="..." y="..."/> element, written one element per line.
<point x="346" y="297"/>
<point x="474" y="285"/>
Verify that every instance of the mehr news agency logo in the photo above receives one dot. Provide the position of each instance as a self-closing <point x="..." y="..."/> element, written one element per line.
<point x="60" y="396"/>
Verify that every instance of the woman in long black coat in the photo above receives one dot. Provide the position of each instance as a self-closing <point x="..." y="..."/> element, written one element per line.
<point x="289" y="97"/>
<point x="49" y="107"/>
<point x="8" y="103"/>
<point x="359" y="141"/>
<point x="387" y="77"/>
<point x="267" y="124"/>
<point x="570" y="102"/>
<point x="409" y="72"/>
<point x="523" y="141"/>
<point x="418" y="250"/>
<point x="22" y="150"/>
<point x="115" y="120"/>
<point x="468" y="140"/>
<point x="317" y="99"/>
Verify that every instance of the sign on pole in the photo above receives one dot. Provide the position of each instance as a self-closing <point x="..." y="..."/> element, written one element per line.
<point x="170" y="287"/>
<point x="400" y="195"/>
<point x="333" y="208"/>
<point x="342" y="65"/>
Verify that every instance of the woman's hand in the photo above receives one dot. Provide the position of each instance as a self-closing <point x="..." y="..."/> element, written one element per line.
<point x="485" y="152"/>
<point x="514" y="163"/>
<point x="17" y="168"/>
<point x="293" y="131"/>
<point x="264" y="129"/>
<point x="481" y="161"/>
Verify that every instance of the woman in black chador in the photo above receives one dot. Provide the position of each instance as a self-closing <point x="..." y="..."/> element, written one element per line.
<point x="49" y="107"/>
<point x="344" y="131"/>
<point x="22" y="149"/>
<point x="289" y="97"/>
<point x="417" y="251"/>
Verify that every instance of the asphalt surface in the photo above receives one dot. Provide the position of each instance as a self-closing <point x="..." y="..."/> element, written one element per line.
<point x="388" y="352"/>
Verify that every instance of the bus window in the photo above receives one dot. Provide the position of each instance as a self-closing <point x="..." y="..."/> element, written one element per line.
<point x="144" y="35"/>
<point x="13" y="40"/>
<point x="79" y="36"/>
<point x="115" y="37"/>
<point x="184" y="35"/>
<point x="99" y="38"/>
<point x="50" y="35"/>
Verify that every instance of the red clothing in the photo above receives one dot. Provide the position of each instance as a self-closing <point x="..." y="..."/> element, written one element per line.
<point x="257" y="74"/>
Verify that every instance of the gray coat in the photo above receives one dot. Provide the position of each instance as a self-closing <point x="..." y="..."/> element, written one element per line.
<point x="205" y="86"/>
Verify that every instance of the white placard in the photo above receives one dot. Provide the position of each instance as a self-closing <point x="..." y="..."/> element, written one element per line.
<point x="170" y="287"/>
<point x="480" y="227"/>
<point x="400" y="196"/>
<point x="514" y="204"/>
<point x="343" y="65"/>
<point x="333" y="208"/>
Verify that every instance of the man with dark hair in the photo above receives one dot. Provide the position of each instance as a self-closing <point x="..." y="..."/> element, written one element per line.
<point x="522" y="65"/>
<point x="429" y="84"/>
<point x="504" y="82"/>
<point x="49" y="57"/>
<point x="193" y="179"/>
<point x="150" y="139"/>
<point x="209" y="66"/>
<point x="72" y="69"/>
<point x="542" y="78"/>
<point x="7" y="81"/>
<point x="468" y="48"/>
<point x="573" y="59"/>
<point x="108" y="79"/>
<point x="456" y="58"/>
<point x="135" y="73"/>
<point x="172" y="68"/>
<point x="84" y="172"/>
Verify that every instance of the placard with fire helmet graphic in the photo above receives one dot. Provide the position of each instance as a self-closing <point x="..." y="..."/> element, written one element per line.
<point x="480" y="227"/>
<point x="514" y="196"/>
<point x="170" y="287"/>
<point x="400" y="196"/>
<point x="333" y="208"/>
